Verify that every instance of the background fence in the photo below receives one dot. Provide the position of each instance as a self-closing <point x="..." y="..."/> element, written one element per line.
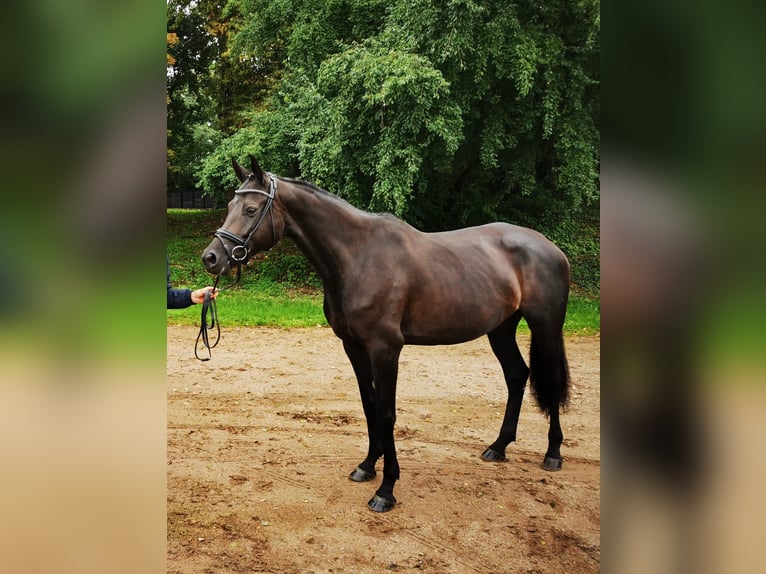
<point x="192" y="199"/>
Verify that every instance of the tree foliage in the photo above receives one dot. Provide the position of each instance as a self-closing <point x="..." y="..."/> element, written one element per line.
<point x="445" y="113"/>
<point x="190" y="53"/>
<point x="208" y="86"/>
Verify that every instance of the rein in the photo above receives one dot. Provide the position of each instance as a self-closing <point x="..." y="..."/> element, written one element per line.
<point x="208" y="306"/>
<point x="237" y="256"/>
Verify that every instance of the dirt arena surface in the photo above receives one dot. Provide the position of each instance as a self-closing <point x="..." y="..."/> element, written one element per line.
<point x="261" y="440"/>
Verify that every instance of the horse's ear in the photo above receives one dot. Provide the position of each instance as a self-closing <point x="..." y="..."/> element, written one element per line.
<point x="257" y="171"/>
<point x="239" y="170"/>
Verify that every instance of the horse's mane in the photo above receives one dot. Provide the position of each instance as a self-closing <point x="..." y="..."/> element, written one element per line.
<point x="323" y="192"/>
<point x="313" y="187"/>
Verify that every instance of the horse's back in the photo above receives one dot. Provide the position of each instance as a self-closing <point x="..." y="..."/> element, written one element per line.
<point x="524" y="249"/>
<point x="509" y="268"/>
<point x="446" y="287"/>
<point x="467" y="282"/>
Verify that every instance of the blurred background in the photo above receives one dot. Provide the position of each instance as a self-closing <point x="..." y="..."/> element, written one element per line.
<point x="682" y="205"/>
<point x="82" y="326"/>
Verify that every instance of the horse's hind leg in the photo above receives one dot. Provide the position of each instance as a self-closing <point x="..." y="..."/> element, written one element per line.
<point x="363" y="370"/>
<point x="503" y="343"/>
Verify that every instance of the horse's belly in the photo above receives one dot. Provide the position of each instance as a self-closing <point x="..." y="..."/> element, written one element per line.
<point x="451" y="325"/>
<point x="442" y="338"/>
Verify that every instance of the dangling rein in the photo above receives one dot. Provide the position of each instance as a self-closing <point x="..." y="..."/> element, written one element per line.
<point x="209" y="308"/>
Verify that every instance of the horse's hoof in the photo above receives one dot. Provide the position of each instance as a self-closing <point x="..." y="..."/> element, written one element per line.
<point x="380" y="504"/>
<point x="552" y="464"/>
<point x="361" y="475"/>
<point x="492" y="455"/>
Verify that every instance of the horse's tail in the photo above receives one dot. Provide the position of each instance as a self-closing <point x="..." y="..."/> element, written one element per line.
<point x="549" y="372"/>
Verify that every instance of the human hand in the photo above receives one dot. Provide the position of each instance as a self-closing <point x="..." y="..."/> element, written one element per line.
<point x="198" y="296"/>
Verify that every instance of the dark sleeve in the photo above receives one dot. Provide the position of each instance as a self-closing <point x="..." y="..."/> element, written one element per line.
<point x="177" y="298"/>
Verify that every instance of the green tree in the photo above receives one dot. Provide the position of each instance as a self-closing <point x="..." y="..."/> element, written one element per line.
<point x="209" y="87"/>
<point x="447" y="114"/>
<point x="191" y="50"/>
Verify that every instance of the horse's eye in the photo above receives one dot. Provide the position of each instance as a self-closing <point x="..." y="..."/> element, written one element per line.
<point x="251" y="209"/>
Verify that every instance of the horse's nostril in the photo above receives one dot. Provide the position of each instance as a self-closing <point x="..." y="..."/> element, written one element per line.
<point x="209" y="258"/>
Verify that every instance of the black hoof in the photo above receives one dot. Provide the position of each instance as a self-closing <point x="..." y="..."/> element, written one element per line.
<point x="492" y="455"/>
<point x="552" y="464"/>
<point x="361" y="475"/>
<point x="380" y="504"/>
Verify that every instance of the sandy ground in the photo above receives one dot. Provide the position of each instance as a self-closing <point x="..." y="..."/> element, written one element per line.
<point x="261" y="440"/>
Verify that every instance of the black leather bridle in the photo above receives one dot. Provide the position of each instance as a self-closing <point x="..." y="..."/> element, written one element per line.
<point x="240" y="252"/>
<point x="237" y="256"/>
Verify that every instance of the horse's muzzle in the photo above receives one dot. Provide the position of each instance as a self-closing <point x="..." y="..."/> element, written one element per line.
<point x="215" y="263"/>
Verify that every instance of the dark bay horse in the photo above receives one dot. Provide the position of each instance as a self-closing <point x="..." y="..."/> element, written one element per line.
<point x="387" y="284"/>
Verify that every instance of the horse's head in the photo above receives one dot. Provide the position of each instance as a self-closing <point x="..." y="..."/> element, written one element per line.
<point x="253" y="223"/>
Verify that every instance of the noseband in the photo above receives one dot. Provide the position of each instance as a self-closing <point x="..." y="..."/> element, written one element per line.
<point x="239" y="253"/>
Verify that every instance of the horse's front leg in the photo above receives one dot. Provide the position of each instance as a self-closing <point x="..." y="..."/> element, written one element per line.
<point x="360" y="361"/>
<point x="385" y="366"/>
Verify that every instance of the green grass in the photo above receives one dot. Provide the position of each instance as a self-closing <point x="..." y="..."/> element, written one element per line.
<point x="279" y="288"/>
<point x="583" y="316"/>
<point x="263" y="303"/>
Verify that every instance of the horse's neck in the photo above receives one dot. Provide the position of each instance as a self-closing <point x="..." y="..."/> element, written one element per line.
<point x="325" y="228"/>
